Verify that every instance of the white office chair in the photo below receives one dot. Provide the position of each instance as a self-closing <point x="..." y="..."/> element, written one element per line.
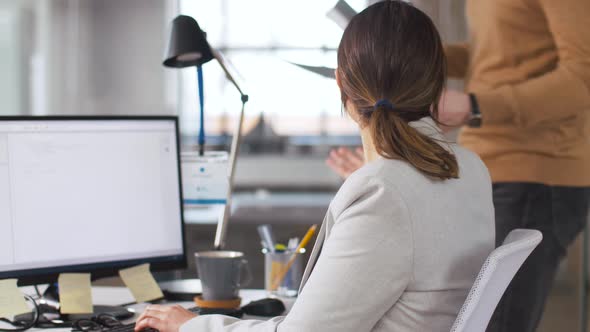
<point x="493" y="279"/>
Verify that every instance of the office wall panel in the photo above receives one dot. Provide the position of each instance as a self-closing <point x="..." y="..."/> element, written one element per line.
<point x="85" y="57"/>
<point x="14" y="74"/>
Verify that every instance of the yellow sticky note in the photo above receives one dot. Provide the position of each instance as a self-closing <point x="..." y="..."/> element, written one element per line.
<point x="75" y="295"/>
<point x="12" y="301"/>
<point x="141" y="283"/>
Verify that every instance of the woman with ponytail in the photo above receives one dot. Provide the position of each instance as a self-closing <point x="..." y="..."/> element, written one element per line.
<point x="406" y="234"/>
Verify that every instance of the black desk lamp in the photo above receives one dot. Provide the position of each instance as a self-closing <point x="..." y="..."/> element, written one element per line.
<point x="189" y="47"/>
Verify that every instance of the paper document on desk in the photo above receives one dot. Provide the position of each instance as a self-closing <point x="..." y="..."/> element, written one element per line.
<point x="141" y="283"/>
<point x="75" y="295"/>
<point x="12" y="301"/>
<point x="204" y="178"/>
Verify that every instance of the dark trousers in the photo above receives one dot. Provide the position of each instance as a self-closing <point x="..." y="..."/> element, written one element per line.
<point x="560" y="213"/>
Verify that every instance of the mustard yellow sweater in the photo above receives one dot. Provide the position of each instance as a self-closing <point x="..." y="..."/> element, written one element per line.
<point x="528" y="63"/>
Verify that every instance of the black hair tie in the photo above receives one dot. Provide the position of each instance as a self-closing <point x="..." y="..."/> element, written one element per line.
<point x="383" y="103"/>
<point x="407" y="115"/>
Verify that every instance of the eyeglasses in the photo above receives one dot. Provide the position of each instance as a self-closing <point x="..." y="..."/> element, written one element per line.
<point x="96" y="323"/>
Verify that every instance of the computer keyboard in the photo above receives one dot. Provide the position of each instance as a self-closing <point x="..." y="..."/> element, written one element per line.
<point x="201" y="311"/>
<point x="130" y="327"/>
<point x="127" y="328"/>
<point x="266" y="307"/>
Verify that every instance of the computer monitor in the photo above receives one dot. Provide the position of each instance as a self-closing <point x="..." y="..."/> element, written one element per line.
<point x="89" y="194"/>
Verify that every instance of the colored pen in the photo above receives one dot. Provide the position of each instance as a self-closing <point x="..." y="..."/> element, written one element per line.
<point x="302" y="245"/>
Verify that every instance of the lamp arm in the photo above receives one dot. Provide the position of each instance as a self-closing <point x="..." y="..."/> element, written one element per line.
<point x="233" y="157"/>
<point x="217" y="55"/>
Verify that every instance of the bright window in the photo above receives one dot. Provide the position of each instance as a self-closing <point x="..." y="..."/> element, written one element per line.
<point x="259" y="38"/>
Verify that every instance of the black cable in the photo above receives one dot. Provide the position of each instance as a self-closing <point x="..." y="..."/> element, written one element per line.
<point x="23" y="327"/>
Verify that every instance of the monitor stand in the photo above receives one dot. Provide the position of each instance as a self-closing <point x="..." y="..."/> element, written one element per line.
<point x="49" y="310"/>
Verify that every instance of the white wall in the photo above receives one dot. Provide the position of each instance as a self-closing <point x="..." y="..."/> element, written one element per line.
<point x="14" y="34"/>
<point x="85" y="57"/>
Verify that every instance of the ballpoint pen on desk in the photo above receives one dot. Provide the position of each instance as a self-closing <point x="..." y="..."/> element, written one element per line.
<point x="279" y="279"/>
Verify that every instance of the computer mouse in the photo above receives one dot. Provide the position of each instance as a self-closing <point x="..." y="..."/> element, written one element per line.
<point x="268" y="307"/>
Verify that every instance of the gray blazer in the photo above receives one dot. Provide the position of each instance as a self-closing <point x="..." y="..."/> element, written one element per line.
<point x="399" y="252"/>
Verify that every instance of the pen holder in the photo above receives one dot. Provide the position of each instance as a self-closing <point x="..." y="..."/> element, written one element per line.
<point x="275" y="266"/>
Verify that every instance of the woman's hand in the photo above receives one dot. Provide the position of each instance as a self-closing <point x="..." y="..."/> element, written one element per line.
<point x="163" y="318"/>
<point x="344" y="161"/>
<point x="454" y="109"/>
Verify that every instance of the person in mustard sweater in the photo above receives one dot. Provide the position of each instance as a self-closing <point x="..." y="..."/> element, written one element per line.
<point x="526" y="112"/>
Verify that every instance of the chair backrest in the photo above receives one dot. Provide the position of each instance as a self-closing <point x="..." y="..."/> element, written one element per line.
<point x="493" y="279"/>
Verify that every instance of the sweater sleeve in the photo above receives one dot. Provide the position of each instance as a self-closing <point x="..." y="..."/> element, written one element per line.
<point x="363" y="269"/>
<point x="457" y="60"/>
<point x="561" y="93"/>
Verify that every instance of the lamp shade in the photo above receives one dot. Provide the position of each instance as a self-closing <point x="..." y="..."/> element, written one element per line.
<point x="188" y="44"/>
<point x="341" y="14"/>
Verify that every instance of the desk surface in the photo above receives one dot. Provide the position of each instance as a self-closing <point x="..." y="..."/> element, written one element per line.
<point x="208" y="215"/>
<point x="102" y="295"/>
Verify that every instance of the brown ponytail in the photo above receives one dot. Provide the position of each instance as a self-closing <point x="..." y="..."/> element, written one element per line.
<point x="394" y="138"/>
<point x="392" y="51"/>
